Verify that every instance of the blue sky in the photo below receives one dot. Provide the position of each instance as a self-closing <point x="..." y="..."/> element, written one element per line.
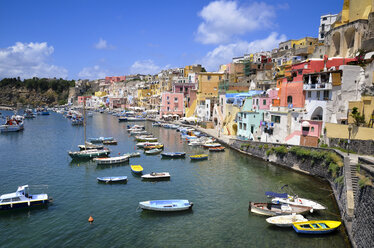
<point x="92" y="39"/>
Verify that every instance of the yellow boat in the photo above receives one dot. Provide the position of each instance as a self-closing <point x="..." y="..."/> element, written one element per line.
<point x="137" y="169"/>
<point x="316" y="226"/>
<point x="199" y="157"/>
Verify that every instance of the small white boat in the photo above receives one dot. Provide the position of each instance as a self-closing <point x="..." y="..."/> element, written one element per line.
<point x="285" y="220"/>
<point x="142" y="144"/>
<point x="120" y="179"/>
<point x="153" y="151"/>
<point x="157" y="175"/>
<point x="133" y="154"/>
<point x="293" y="200"/>
<point x="210" y="145"/>
<point x="112" y="160"/>
<point x="166" y="205"/>
<point x="22" y="199"/>
<point x="272" y="209"/>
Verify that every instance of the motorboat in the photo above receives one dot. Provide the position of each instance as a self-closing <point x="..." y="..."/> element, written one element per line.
<point x="166" y="205"/>
<point x="316" y="226"/>
<point x="101" y="139"/>
<point x="133" y="154"/>
<point x="22" y="199"/>
<point x="160" y="146"/>
<point x="142" y="144"/>
<point x="285" y="220"/>
<point x="28" y="114"/>
<point x="173" y="154"/>
<point x="293" y="200"/>
<point x="112" y="160"/>
<point x="119" y="179"/>
<point x="90" y="146"/>
<point x="156" y="124"/>
<point x="110" y="142"/>
<point x="271" y="209"/>
<point x="199" y="157"/>
<point x="145" y="139"/>
<point x="137" y="169"/>
<point x="210" y="145"/>
<point x="12" y="124"/>
<point x="157" y="175"/>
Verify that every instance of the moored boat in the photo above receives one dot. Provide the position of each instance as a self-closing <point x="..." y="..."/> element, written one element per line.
<point x="210" y="145"/>
<point x="271" y="209"/>
<point x="112" y="160"/>
<point x="293" y="200"/>
<point x="110" y="142"/>
<point x="157" y="175"/>
<point x="119" y="179"/>
<point x="153" y="151"/>
<point x="91" y="153"/>
<point x="316" y="226"/>
<point x="199" y="157"/>
<point x="173" y="154"/>
<point x="166" y="205"/>
<point x="133" y="154"/>
<point x="12" y="124"/>
<point x="137" y="169"/>
<point x="150" y="147"/>
<point x="217" y="149"/>
<point x="22" y="199"/>
<point x="156" y="124"/>
<point x="285" y="220"/>
<point x="90" y="146"/>
<point x="101" y="139"/>
<point x="142" y="144"/>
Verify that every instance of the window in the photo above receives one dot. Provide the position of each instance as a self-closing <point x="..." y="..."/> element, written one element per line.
<point x="175" y="99"/>
<point x="275" y="118"/>
<point x="305" y="129"/>
<point x="286" y="47"/>
<point x="240" y="125"/>
<point x="322" y="35"/>
<point x="324" y="18"/>
<point x="220" y="77"/>
<point x="245" y="115"/>
<point x="167" y="98"/>
<point x="289" y="100"/>
<point x="256" y="101"/>
<point x="318" y="95"/>
<point x="16" y="199"/>
<point x="312" y="129"/>
<point x="309" y="94"/>
<point x="168" y="108"/>
<point x="168" y="103"/>
<point x="326" y="95"/>
<point x="310" y="43"/>
<point x="209" y="77"/>
<point x="264" y="102"/>
<point x="244" y="126"/>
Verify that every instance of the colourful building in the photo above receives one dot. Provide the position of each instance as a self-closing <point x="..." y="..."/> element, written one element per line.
<point x="263" y="101"/>
<point x="248" y="119"/>
<point x="172" y="104"/>
<point x="115" y="79"/>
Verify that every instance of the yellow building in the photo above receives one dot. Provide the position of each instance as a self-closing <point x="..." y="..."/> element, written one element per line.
<point x="143" y="95"/>
<point x="208" y="84"/>
<point x="100" y="93"/>
<point x="192" y="69"/>
<point x="365" y="107"/>
<point x="354" y="10"/>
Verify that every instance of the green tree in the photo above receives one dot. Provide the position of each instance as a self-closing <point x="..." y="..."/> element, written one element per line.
<point x="358" y="118"/>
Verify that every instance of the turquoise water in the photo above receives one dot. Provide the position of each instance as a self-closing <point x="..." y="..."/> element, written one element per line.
<point x="220" y="188"/>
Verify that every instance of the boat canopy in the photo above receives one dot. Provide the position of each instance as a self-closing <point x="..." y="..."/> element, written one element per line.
<point x="274" y="194"/>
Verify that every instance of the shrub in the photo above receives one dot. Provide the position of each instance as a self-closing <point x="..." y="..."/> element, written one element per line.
<point x="364" y="181"/>
<point x="280" y="150"/>
<point x="339" y="180"/>
<point x="324" y="145"/>
<point x="260" y="146"/>
<point x="266" y="146"/>
<point x="333" y="169"/>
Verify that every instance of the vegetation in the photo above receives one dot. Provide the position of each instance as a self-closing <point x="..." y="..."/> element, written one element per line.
<point x="339" y="180"/>
<point x="39" y="84"/>
<point x="364" y="181"/>
<point x="358" y="118"/>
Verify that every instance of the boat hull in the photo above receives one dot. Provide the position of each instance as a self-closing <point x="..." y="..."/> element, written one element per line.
<point x="316" y="227"/>
<point x="271" y="209"/>
<point x="25" y="204"/>
<point x="166" y="205"/>
<point x="112" y="179"/>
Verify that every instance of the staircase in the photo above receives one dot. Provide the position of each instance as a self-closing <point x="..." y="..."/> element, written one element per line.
<point x="353" y="171"/>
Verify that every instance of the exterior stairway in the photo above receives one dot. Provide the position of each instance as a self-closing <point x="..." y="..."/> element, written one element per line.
<point x="353" y="171"/>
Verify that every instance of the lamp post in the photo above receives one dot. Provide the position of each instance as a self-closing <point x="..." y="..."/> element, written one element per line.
<point x="349" y="136"/>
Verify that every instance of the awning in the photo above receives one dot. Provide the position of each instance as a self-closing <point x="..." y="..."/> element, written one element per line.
<point x="305" y="124"/>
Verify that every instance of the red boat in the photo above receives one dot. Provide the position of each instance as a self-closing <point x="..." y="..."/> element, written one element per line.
<point x="217" y="149"/>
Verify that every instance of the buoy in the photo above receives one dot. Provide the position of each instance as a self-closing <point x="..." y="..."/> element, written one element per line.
<point x="119" y="153"/>
<point x="90" y="219"/>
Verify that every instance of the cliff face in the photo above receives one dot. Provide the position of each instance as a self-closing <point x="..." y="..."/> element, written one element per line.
<point x="11" y="95"/>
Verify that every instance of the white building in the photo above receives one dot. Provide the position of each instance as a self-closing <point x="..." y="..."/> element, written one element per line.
<point x="325" y="25"/>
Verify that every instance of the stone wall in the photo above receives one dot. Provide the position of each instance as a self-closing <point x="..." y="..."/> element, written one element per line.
<point x="363" y="223"/>
<point x="358" y="146"/>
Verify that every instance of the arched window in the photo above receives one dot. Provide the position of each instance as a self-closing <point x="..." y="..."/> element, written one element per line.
<point x="289" y="100"/>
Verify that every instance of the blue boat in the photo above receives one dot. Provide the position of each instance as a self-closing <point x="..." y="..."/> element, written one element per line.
<point x="173" y="154"/>
<point x="166" y="205"/>
<point x="120" y="179"/>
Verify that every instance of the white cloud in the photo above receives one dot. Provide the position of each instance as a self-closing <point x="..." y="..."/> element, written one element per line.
<point x="222" y="20"/>
<point x="28" y="60"/>
<point x="146" y="67"/>
<point x="223" y="54"/>
<point x="103" y="45"/>
<point x="94" y="72"/>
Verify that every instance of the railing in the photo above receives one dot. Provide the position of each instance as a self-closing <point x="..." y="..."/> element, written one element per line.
<point x="321" y="86"/>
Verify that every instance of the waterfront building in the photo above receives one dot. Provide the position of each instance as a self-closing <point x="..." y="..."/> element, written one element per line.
<point x="172" y="104"/>
<point x="248" y="120"/>
<point x="326" y="22"/>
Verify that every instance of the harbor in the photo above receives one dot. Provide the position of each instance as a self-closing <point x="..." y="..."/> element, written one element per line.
<point x="220" y="188"/>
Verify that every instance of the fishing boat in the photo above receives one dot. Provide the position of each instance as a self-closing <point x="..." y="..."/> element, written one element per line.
<point x="285" y="220"/>
<point x="90" y="153"/>
<point x="153" y="151"/>
<point x="150" y="147"/>
<point x="101" y="139"/>
<point x="112" y="160"/>
<point x="89" y="146"/>
<point x="120" y="179"/>
<point x="217" y="149"/>
<point x="142" y="144"/>
<point x="12" y="124"/>
<point x="316" y="226"/>
<point x="110" y="142"/>
<point x="22" y="199"/>
<point x="28" y="114"/>
<point x="173" y="154"/>
<point x="135" y="127"/>
<point x="78" y="121"/>
<point x="156" y="124"/>
<point x="210" y="145"/>
<point x="272" y="209"/>
<point x="199" y="157"/>
<point x="133" y="154"/>
<point x="146" y="139"/>
<point x="166" y="205"/>
<point x="157" y="175"/>
<point x="137" y="169"/>
<point x="138" y="131"/>
<point x="293" y="200"/>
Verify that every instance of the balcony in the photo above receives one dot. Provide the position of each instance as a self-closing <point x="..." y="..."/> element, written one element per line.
<point x="321" y="86"/>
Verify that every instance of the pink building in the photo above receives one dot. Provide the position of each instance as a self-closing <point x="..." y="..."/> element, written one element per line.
<point x="263" y="102"/>
<point x="115" y="79"/>
<point x="81" y="99"/>
<point x="172" y="104"/>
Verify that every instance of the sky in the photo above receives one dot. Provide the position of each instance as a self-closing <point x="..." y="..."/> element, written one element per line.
<point x="89" y="39"/>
